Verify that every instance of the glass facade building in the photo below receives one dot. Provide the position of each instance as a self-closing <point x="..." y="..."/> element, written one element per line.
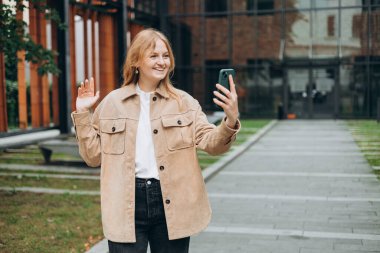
<point x="305" y="58"/>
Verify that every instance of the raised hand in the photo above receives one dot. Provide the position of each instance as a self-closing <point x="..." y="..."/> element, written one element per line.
<point x="228" y="101"/>
<point x="86" y="98"/>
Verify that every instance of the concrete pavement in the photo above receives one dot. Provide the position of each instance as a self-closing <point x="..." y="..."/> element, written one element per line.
<point x="304" y="187"/>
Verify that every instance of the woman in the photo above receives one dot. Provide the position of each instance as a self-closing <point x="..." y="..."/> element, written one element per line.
<point x="145" y="135"/>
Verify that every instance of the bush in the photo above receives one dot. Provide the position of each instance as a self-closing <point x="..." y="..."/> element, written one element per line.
<point x="12" y="103"/>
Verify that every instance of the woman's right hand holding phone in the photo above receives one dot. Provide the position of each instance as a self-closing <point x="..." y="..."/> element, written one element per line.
<point x="228" y="101"/>
<point x="86" y="98"/>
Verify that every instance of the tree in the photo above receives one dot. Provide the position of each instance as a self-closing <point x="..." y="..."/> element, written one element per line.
<point x="13" y="37"/>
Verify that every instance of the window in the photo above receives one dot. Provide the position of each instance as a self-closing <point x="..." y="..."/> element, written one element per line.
<point x="263" y="6"/>
<point x="331" y="26"/>
<point x="216" y="6"/>
<point x="212" y="74"/>
<point x="373" y="4"/>
<point x="357" y="24"/>
<point x="146" y="6"/>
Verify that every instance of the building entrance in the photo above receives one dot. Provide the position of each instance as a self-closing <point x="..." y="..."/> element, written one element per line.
<point x="312" y="92"/>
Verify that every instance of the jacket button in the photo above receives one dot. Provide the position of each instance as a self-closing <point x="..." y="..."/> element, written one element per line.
<point x="167" y="201"/>
<point x="155" y="131"/>
<point x="162" y="167"/>
<point x="179" y="122"/>
<point x="154" y="98"/>
<point x="113" y="129"/>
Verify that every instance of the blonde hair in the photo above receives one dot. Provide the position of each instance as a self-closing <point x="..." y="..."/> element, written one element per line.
<point x="146" y="40"/>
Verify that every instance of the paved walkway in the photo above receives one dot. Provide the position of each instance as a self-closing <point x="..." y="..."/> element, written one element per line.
<point x="304" y="187"/>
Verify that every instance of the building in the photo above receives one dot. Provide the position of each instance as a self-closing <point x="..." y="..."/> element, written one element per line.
<point x="301" y="58"/>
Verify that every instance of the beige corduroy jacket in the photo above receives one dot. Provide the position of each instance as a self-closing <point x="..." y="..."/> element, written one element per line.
<point x="107" y="138"/>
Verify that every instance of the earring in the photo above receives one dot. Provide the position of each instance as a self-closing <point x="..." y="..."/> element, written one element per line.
<point x="136" y="71"/>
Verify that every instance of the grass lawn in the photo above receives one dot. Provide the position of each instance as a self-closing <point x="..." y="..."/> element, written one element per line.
<point x="31" y="222"/>
<point x="46" y="182"/>
<point x="367" y="135"/>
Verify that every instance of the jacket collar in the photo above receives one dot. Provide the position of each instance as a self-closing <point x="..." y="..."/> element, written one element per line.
<point x="130" y="90"/>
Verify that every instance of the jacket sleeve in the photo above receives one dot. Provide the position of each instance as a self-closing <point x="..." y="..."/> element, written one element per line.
<point x="213" y="139"/>
<point x="87" y="134"/>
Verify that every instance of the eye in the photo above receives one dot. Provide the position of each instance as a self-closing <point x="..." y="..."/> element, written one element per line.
<point x="166" y="55"/>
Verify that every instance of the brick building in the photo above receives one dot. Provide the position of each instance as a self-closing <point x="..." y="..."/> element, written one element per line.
<point x="305" y="58"/>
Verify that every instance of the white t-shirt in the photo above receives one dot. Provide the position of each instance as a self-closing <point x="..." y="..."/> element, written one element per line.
<point x="145" y="160"/>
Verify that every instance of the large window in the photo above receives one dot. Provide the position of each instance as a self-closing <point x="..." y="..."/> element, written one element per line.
<point x="264" y="86"/>
<point x="264" y="7"/>
<point x="371" y="4"/>
<point x="273" y="49"/>
<point x="216" y="6"/>
<point x="353" y="91"/>
<point x="212" y="74"/>
<point x="375" y="90"/>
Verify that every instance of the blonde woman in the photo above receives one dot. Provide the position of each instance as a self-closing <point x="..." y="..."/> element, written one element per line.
<point x="144" y="136"/>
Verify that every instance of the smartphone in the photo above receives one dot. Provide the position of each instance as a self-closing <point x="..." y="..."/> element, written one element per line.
<point x="224" y="81"/>
<point x="223" y="77"/>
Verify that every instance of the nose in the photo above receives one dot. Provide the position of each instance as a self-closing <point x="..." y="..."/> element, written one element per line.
<point x="161" y="60"/>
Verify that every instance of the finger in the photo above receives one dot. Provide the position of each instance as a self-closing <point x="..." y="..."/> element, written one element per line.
<point x="97" y="95"/>
<point x="224" y="90"/>
<point x="232" y="84"/>
<point x="80" y="90"/>
<point x="86" y="85"/>
<point x="218" y="102"/>
<point x="220" y="96"/>
<point x="92" y="85"/>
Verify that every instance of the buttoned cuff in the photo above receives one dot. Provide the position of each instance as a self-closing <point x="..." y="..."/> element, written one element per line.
<point x="228" y="132"/>
<point x="81" y="118"/>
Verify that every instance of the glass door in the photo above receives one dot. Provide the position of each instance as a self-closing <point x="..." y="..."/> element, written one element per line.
<point x="312" y="92"/>
<point x="297" y="85"/>
<point x="322" y="93"/>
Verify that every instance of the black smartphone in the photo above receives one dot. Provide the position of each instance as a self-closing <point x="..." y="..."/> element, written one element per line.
<point x="224" y="81"/>
<point x="223" y="77"/>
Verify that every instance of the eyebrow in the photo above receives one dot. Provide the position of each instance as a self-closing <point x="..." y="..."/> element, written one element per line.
<point x="155" y="52"/>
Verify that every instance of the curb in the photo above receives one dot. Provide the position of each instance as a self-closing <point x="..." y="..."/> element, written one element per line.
<point x="28" y="138"/>
<point x="208" y="173"/>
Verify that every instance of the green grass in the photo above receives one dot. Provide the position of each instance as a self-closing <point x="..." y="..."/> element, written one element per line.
<point x="32" y="222"/>
<point x="47" y="172"/>
<point x="367" y="135"/>
<point x="69" y="184"/>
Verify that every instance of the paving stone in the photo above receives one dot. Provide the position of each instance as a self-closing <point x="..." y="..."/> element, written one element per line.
<point x="330" y="218"/>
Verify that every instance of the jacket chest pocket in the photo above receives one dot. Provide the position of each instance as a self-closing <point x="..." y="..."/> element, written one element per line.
<point x="112" y="134"/>
<point x="178" y="131"/>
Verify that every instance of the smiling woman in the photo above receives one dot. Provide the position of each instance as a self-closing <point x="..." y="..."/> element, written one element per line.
<point x="154" y="67"/>
<point x="145" y="136"/>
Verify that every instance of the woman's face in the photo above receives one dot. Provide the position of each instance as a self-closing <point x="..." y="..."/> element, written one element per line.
<point x="155" y="64"/>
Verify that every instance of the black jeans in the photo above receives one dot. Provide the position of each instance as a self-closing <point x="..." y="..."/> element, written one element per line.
<point x="150" y="224"/>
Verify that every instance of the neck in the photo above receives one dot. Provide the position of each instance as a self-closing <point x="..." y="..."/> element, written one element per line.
<point x="147" y="86"/>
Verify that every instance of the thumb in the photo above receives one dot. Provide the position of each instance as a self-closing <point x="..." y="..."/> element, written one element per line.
<point x="97" y="95"/>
